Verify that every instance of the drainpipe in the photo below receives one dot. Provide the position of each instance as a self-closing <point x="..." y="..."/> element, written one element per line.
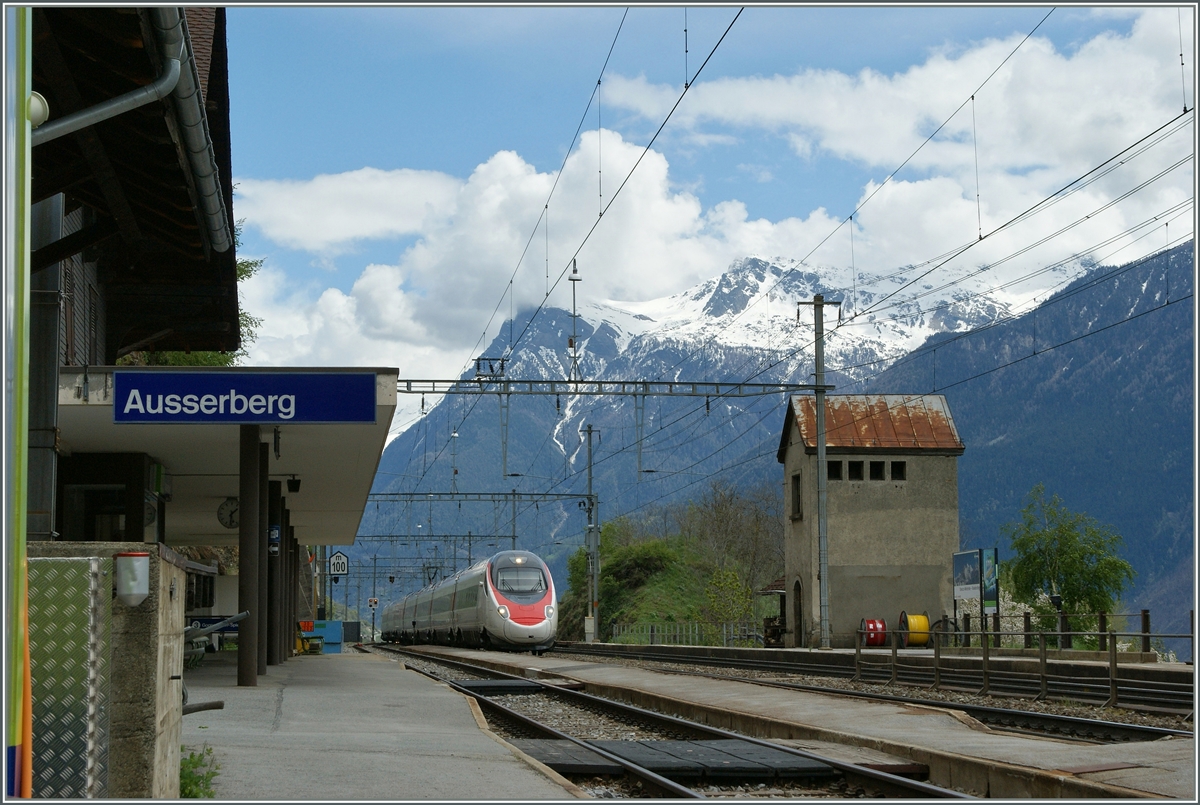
<point x="172" y="33"/>
<point x="111" y="108"/>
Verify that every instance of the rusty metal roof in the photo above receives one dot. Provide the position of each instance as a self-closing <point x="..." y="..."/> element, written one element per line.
<point x="775" y="587"/>
<point x="911" y="422"/>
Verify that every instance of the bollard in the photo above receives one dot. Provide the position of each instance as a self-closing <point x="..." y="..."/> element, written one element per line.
<point x="983" y="642"/>
<point x="1112" y="671"/>
<point x="1145" y="631"/>
<point x="858" y="655"/>
<point x="1028" y="631"/>
<point x="1042" y="666"/>
<point x="996" y="629"/>
<point x="1103" y="634"/>
<point x="966" y="630"/>
<point x="895" y="643"/>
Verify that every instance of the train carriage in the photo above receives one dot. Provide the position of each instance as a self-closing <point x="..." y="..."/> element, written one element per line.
<point x="505" y="602"/>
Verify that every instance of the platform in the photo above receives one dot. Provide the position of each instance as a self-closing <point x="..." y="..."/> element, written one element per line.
<point x="353" y="727"/>
<point x="959" y="751"/>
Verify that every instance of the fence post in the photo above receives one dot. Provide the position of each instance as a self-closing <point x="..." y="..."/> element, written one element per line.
<point x="996" y="629"/>
<point x="937" y="656"/>
<point x="1064" y="630"/>
<point x="858" y="655"/>
<point x="1103" y="631"/>
<point x="1042" y="666"/>
<point x="895" y="644"/>
<point x="983" y="642"/>
<point x="1028" y="631"/>
<point x="652" y="634"/>
<point x="1146" y="631"/>
<point x="1112" y="671"/>
<point x="966" y="630"/>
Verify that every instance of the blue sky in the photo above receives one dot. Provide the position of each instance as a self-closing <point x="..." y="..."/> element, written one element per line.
<point x="392" y="162"/>
<point x="444" y="89"/>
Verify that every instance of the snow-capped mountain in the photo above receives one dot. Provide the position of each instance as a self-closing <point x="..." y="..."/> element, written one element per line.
<point x="752" y="307"/>
<point x="1104" y="421"/>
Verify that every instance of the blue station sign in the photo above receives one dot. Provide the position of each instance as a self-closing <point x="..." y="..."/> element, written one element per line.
<point x="243" y="398"/>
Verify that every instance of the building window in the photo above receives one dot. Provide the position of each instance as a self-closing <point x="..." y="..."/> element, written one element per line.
<point x="899" y="470"/>
<point x="877" y="471"/>
<point x="797" y="498"/>
<point x="833" y="470"/>
<point x="855" y="470"/>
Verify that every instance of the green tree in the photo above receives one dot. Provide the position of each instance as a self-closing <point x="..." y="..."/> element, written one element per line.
<point x="1065" y="553"/>
<point x="246" y="323"/>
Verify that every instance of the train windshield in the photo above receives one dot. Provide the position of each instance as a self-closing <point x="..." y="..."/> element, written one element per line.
<point x="519" y="575"/>
<point x="520" y="580"/>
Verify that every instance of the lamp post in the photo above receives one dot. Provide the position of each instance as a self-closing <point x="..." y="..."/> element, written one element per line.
<point x="374" y="599"/>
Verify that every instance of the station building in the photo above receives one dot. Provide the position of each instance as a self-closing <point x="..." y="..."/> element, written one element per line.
<point x="892" y="512"/>
<point x="131" y="249"/>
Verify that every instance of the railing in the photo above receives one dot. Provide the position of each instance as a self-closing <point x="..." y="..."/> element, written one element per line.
<point x="1114" y="689"/>
<point x="741" y="633"/>
<point x="1063" y="629"/>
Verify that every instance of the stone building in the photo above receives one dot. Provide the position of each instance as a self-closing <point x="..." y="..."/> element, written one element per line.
<point x="892" y="509"/>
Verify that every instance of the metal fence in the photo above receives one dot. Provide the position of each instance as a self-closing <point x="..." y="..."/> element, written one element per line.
<point x="740" y="633"/>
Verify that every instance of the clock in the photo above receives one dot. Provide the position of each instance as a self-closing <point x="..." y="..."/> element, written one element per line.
<point x="227" y="513"/>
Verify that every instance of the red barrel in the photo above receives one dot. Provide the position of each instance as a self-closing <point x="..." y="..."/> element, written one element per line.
<point x="874" y="631"/>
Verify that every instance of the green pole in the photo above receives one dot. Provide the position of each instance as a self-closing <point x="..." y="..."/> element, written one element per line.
<point x="18" y="69"/>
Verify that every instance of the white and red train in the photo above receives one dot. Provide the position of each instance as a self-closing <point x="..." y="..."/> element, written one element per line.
<point x="506" y="602"/>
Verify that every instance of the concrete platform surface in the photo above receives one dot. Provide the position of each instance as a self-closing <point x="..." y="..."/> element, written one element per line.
<point x="352" y="727"/>
<point x="959" y="751"/>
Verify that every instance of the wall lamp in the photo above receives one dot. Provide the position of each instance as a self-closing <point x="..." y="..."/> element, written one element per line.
<point x="293" y="485"/>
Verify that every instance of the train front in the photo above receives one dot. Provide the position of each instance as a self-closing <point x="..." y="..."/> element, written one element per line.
<point x="526" y="609"/>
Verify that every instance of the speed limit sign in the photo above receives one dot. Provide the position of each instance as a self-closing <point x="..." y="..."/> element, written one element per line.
<point x="339" y="564"/>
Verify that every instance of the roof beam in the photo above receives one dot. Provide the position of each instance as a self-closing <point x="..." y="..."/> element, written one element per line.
<point x="72" y="244"/>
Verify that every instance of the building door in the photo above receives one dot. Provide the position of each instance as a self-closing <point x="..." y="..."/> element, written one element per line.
<point x="798" y="630"/>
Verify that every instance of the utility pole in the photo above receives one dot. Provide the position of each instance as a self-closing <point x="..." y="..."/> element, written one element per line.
<point x="514" y="520"/>
<point x="818" y="304"/>
<point x="374" y="567"/>
<point x="593" y="552"/>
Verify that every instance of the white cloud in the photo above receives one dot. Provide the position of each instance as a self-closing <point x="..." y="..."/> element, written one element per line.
<point x="328" y="213"/>
<point x="1044" y="118"/>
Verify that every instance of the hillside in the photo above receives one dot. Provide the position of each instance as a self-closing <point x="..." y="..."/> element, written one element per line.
<point x="1095" y="401"/>
<point x="1104" y="417"/>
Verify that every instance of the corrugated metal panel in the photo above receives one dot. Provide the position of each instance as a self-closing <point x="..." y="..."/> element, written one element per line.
<point x="878" y="421"/>
<point x="70" y="627"/>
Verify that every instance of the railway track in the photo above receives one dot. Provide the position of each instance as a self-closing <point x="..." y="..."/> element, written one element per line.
<point x="659" y="755"/>
<point x="1160" y="697"/>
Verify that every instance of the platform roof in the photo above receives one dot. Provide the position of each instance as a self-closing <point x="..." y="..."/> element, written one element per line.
<point x="336" y="463"/>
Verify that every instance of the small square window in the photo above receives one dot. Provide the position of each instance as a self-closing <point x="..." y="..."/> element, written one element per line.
<point x="899" y="470"/>
<point x="855" y="469"/>
<point x="877" y="471"/>
<point x="833" y="470"/>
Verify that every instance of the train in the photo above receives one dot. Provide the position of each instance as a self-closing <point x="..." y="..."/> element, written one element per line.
<point x="506" y="602"/>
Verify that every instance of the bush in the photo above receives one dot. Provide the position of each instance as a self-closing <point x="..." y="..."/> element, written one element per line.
<point x="196" y="773"/>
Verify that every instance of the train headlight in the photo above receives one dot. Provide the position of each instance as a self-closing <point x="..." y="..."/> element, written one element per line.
<point x="549" y="611"/>
<point x="503" y="610"/>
